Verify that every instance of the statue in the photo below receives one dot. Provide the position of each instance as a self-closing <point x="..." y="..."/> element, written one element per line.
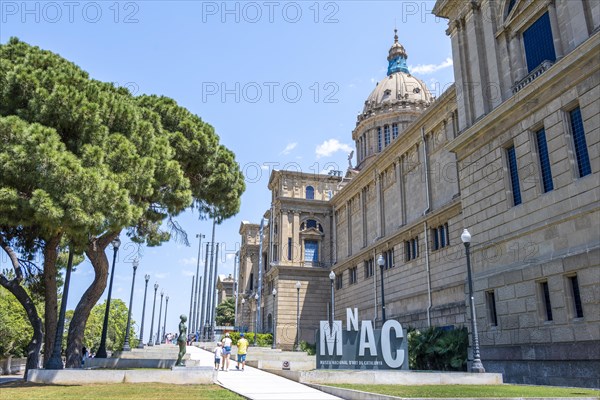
<point x="350" y="159"/>
<point x="181" y="341"/>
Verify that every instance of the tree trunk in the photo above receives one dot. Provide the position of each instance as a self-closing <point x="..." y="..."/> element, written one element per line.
<point x="96" y="254"/>
<point x="34" y="346"/>
<point x="14" y="286"/>
<point x="50" y="294"/>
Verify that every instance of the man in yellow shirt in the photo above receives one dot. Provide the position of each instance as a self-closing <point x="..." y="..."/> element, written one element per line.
<point x="242" y="346"/>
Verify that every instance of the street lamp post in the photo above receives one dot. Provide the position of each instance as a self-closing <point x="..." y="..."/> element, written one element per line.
<point x="164" y="336"/>
<point x="151" y="340"/>
<point x="331" y="316"/>
<point x="256" y="324"/>
<point x="141" y="343"/>
<point x="381" y="263"/>
<point x="298" y="285"/>
<point x="477" y="366"/>
<point x="126" y="346"/>
<point x="157" y="341"/>
<point x="101" y="353"/>
<point x="196" y="292"/>
<point x="236" y="273"/>
<point x="274" y="346"/>
<point x="192" y="313"/>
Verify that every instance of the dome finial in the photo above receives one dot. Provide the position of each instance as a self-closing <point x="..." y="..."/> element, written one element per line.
<point x="397" y="57"/>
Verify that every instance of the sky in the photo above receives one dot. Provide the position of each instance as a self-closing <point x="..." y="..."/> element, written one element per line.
<point x="282" y="82"/>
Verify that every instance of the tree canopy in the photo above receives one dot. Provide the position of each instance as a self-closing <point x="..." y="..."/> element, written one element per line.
<point x="81" y="160"/>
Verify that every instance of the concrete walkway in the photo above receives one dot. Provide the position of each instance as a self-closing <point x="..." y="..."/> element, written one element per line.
<point x="255" y="384"/>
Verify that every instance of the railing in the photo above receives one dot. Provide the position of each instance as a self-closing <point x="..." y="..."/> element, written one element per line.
<point x="539" y="70"/>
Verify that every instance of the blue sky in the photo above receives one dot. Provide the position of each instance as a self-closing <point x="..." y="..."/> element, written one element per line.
<point x="282" y="83"/>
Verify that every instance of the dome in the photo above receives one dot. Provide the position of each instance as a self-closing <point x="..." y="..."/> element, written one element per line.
<point x="399" y="89"/>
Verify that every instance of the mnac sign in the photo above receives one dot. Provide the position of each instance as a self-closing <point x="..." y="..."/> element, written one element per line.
<point x="360" y="346"/>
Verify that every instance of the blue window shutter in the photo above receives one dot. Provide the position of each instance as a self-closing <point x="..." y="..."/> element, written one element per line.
<point x="581" y="151"/>
<point x="514" y="175"/>
<point x="539" y="45"/>
<point x="542" y="147"/>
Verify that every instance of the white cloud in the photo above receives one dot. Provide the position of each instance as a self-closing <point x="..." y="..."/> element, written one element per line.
<point x="188" y="261"/>
<point x="289" y="148"/>
<point x="185" y="272"/>
<point x="331" y="146"/>
<point x="425" y="69"/>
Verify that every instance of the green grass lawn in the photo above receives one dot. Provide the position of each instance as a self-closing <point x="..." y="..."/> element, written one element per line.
<point x="445" y="391"/>
<point x="146" y="391"/>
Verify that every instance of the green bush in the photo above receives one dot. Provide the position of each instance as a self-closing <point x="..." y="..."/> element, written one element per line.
<point x="309" y="348"/>
<point x="438" y="349"/>
<point x="262" y="339"/>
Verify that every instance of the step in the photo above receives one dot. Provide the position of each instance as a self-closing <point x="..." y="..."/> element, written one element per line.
<point x="123" y="363"/>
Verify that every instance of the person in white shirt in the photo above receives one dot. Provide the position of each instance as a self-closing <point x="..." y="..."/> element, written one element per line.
<point x="218" y="355"/>
<point x="226" y="352"/>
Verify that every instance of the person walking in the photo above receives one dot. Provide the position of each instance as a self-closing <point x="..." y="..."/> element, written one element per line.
<point x="84" y="356"/>
<point x="242" y="346"/>
<point x="226" y="351"/>
<point x="218" y="354"/>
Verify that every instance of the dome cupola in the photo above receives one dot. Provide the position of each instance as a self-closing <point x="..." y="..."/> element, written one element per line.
<point x="399" y="90"/>
<point x="397" y="57"/>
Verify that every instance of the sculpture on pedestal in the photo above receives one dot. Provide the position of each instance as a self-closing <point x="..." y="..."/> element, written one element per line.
<point x="181" y="340"/>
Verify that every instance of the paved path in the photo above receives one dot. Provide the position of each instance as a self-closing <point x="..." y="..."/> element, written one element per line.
<point x="256" y="384"/>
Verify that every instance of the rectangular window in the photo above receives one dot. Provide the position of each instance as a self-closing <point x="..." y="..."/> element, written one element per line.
<point x="353" y="275"/>
<point x="542" y="147"/>
<point x="411" y="249"/>
<point x="579" y="142"/>
<point x="368" y="268"/>
<point x="311" y="252"/>
<point x="289" y="249"/>
<point x="251" y="281"/>
<point x="491" y="305"/>
<point x="386" y="134"/>
<point x="434" y="236"/>
<point x="388" y="257"/>
<point x="576" y="296"/>
<point x="339" y="282"/>
<point x="514" y="175"/>
<point x="379" y="139"/>
<point x="538" y="43"/>
<point x="394" y="131"/>
<point x="546" y="300"/>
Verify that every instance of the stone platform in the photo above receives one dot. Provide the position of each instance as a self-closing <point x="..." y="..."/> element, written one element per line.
<point x="382" y="377"/>
<point x="175" y="376"/>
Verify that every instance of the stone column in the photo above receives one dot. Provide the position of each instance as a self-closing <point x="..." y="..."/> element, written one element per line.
<point x="558" y="49"/>
<point x="516" y="57"/>
<point x="455" y="32"/>
<point x="477" y="80"/>
<point x="378" y="193"/>
<point x="297" y="250"/>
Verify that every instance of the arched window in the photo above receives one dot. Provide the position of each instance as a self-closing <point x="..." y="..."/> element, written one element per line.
<point x="310" y="193"/>
<point x="311" y="223"/>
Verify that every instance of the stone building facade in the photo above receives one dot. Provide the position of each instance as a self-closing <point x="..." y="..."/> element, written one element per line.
<point x="511" y="152"/>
